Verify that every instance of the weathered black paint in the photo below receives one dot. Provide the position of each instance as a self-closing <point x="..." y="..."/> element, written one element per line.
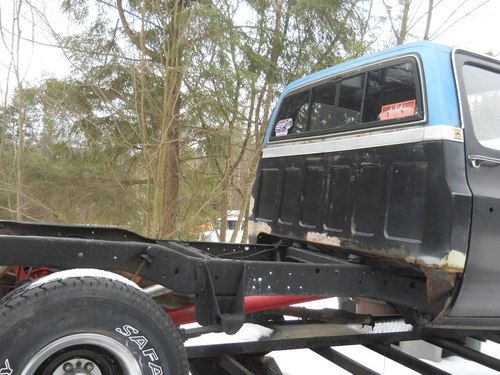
<point x="219" y="275"/>
<point x="409" y="201"/>
<point x="479" y="290"/>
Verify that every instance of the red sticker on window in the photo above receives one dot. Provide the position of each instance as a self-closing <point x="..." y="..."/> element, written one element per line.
<point x="398" y="110"/>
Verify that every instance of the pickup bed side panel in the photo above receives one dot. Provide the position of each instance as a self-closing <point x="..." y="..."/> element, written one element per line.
<point x="409" y="202"/>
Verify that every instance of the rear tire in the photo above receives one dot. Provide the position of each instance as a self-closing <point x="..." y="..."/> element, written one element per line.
<point x="106" y="325"/>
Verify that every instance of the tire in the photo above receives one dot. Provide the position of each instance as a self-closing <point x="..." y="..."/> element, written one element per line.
<point x="106" y="325"/>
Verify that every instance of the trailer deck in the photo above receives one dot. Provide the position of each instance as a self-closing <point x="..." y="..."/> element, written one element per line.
<point x="322" y="338"/>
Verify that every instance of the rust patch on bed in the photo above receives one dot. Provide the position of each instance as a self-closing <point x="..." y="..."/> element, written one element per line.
<point x="257" y="227"/>
<point x="441" y="273"/>
<point x="454" y="261"/>
<point x="323" y="238"/>
<point x="439" y="283"/>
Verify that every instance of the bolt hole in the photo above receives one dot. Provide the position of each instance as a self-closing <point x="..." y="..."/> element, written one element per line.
<point x="176" y="271"/>
<point x="384" y="282"/>
<point x="216" y="277"/>
<point x="412" y="285"/>
<point x="491" y="210"/>
<point x="360" y="282"/>
<point x="317" y="270"/>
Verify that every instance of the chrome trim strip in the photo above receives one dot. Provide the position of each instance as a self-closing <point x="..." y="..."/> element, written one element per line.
<point x="367" y="140"/>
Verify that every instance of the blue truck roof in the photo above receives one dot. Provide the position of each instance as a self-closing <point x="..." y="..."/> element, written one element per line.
<point x="439" y="82"/>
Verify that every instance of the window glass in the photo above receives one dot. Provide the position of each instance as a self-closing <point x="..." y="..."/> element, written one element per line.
<point x="483" y="95"/>
<point x="390" y="93"/>
<point x="350" y="99"/>
<point x="322" y="107"/>
<point x="292" y="117"/>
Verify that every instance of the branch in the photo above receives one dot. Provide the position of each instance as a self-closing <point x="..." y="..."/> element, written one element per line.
<point x="434" y="36"/>
<point x="429" y="18"/>
<point x="134" y="37"/>
<point x="388" y="8"/>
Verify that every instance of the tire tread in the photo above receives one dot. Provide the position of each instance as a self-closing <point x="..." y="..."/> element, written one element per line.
<point x="13" y="303"/>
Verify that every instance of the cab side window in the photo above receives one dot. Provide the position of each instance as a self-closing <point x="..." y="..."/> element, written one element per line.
<point x="483" y="95"/>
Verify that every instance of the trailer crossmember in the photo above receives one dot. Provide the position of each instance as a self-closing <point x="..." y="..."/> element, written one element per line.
<point x="322" y="338"/>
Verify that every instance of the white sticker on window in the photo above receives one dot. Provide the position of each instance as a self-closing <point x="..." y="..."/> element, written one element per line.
<point x="283" y="126"/>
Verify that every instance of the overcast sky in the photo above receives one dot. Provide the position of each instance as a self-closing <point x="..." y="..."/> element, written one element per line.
<point x="479" y="32"/>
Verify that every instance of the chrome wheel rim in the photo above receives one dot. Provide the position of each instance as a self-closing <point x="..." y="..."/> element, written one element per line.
<point x="74" y="366"/>
<point x="128" y="364"/>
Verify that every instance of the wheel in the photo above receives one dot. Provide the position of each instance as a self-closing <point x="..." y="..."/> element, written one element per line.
<point x="89" y="326"/>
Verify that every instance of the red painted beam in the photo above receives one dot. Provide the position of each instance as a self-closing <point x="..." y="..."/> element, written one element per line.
<point x="186" y="314"/>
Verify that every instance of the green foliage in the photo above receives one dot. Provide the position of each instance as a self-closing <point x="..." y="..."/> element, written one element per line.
<point x="94" y="137"/>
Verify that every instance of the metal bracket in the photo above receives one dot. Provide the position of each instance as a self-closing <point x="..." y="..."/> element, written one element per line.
<point x="226" y="311"/>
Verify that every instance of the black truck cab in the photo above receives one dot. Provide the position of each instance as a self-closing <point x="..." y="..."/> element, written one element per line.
<point x="393" y="159"/>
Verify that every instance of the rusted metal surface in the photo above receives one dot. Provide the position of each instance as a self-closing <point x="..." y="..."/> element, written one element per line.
<point x="440" y="273"/>
<point x="440" y="283"/>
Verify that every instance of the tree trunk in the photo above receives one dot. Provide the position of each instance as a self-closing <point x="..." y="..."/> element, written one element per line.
<point x="403" y="31"/>
<point x="19" y="153"/>
<point x="271" y="73"/>
<point x="429" y="18"/>
<point x="223" y="210"/>
<point x="164" y="160"/>
<point x="166" y="189"/>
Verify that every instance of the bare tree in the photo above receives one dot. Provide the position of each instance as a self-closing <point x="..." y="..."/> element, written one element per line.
<point x="12" y="44"/>
<point x="429" y="19"/>
<point x="399" y="23"/>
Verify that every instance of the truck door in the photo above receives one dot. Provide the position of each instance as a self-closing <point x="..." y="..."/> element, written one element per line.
<point x="479" y="90"/>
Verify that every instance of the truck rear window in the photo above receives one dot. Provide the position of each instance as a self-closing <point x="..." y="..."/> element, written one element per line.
<point x="390" y="93"/>
<point x="322" y="107"/>
<point x="350" y="100"/>
<point x="386" y="95"/>
<point x="293" y="114"/>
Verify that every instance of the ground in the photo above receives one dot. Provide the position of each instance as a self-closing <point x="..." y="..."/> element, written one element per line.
<point x="302" y="361"/>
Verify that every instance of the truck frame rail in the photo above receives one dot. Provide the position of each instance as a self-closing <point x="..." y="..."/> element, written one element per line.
<point x="218" y="275"/>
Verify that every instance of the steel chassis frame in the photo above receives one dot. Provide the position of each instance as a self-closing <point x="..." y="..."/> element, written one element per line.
<point x="218" y="275"/>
